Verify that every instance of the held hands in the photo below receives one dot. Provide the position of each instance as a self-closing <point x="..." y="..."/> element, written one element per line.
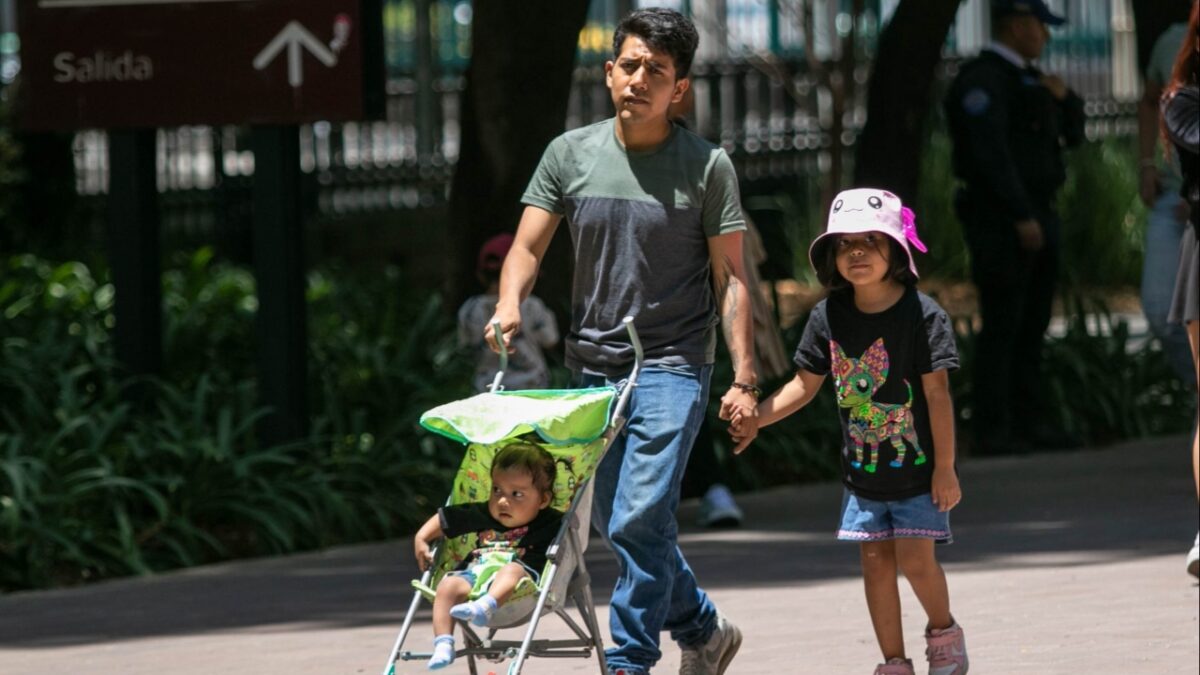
<point x="743" y="430"/>
<point x="945" y="491"/>
<point x="738" y="400"/>
<point x="740" y="407"/>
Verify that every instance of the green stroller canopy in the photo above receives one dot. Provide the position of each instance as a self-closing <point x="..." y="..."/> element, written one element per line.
<point x="558" y="416"/>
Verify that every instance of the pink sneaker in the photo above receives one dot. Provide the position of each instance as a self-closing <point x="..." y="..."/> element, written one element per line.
<point x="895" y="667"/>
<point x="946" y="651"/>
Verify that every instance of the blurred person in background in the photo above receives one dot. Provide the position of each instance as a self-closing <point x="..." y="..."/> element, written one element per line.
<point x="1181" y="126"/>
<point x="1158" y="186"/>
<point x="1009" y="123"/>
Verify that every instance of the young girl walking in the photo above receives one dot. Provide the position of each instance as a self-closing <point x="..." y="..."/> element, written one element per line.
<point x="889" y="349"/>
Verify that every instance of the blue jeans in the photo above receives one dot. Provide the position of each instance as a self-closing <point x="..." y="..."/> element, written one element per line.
<point x="1163" y="235"/>
<point x="637" y="491"/>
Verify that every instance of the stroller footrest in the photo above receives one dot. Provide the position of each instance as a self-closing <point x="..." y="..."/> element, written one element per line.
<point x="424" y="590"/>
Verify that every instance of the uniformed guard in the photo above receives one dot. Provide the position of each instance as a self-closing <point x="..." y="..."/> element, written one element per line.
<point x="1009" y="123"/>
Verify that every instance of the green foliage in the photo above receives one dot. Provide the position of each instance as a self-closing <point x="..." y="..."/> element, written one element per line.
<point x="1103" y="221"/>
<point x="1105" y="391"/>
<point x="92" y="486"/>
<point x="936" y="221"/>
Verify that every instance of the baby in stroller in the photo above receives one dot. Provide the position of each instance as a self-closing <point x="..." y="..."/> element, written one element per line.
<point x="513" y="529"/>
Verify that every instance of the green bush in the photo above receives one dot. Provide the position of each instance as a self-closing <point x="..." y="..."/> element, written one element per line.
<point x="92" y="486"/>
<point x="1103" y="221"/>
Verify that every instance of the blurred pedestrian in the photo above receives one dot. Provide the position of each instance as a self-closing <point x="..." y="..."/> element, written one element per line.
<point x="1181" y="124"/>
<point x="527" y="367"/>
<point x="1158" y="186"/>
<point x="1009" y="122"/>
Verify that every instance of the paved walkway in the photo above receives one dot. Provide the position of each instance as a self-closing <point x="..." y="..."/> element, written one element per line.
<point x="1065" y="563"/>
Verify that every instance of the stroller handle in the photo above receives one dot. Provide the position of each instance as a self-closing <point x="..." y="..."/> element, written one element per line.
<point x="637" y="343"/>
<point x="496" y="386"/>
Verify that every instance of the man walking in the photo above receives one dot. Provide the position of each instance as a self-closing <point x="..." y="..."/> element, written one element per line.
<point x="1008" y="122"/>
<point x="657" y="227"/>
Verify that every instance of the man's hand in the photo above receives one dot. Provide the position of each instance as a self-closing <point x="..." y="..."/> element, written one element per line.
<point x="1029" y="234"/>
<point x="510" y="325"/>
<point x="738" y="401"/>
<point x="1058" y="88"/>
<point x="423" y="553"/>
<point x="945" y="491"/>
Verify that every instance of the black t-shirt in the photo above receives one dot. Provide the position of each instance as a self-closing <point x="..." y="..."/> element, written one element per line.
<point x="530" y="541"/>
<point x="877" y="361"/>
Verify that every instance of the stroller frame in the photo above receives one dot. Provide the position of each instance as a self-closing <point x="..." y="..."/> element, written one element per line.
<point x="564" y="556"/>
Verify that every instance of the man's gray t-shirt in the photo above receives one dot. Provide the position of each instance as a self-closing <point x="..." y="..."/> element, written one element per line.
<point x="640" y="222"/>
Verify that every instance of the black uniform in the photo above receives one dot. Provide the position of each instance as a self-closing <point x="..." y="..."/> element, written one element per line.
<point x="1008" y="132"/>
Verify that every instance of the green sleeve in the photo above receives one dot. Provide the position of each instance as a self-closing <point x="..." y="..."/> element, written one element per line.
<point x="722" y="212"/>
<point x="545" y="188"/>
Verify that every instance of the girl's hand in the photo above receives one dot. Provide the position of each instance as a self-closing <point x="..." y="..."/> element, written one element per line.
<point x="946" y="493"/>
<point x="743" y="429"/>
<point x="423" y="553"/>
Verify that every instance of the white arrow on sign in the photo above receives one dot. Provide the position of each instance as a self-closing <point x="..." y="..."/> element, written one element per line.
<point x="294" y="36"/>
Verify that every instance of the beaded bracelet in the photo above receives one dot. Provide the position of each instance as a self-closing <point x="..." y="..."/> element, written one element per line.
<point x="748" y="388"/>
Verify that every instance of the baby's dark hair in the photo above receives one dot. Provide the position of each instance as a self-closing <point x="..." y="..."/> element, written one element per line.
<point x="664" y="30"/>
<point x="530" y="458"/>
<point x="828" y="275"/>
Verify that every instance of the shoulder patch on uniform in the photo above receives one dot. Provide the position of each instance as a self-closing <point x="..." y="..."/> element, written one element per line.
<point x="976" y="101"/>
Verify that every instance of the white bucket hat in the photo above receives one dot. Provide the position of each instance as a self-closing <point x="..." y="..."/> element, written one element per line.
<point x="869" y="210"/>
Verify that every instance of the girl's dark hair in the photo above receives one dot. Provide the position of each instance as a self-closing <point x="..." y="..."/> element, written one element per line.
<point x="664" y="30"/>
<point x="828" y="275"/>
<point x="529" y="458"/>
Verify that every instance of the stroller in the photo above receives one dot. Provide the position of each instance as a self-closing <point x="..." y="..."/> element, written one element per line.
<point x="575" y="426"/>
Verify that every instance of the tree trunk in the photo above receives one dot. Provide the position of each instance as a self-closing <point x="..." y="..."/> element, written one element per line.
<point x="515" y="103"/>
<point x="889" y="149"/>
<point x="1151" y="18"/>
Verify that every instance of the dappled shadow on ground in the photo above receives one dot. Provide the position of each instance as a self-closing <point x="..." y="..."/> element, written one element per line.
<point x="1061" y="509"/>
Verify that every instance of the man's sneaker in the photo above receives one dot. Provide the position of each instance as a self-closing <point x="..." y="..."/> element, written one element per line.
<point x="946" y="650"/>
<point x="1193" y="559"/>
<point x="717" y="508"/>
<point x="712" y="657"/>
<point x="895" y="667"/>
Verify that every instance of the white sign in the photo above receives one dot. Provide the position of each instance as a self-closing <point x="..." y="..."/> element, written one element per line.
<point x="294" y="36"/>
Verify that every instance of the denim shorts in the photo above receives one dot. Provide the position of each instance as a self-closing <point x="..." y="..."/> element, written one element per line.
<point x="913" y="518"/>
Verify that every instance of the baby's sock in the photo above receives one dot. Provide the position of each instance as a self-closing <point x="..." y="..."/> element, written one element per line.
<point x="477" y="612"/>
<point x="443" y="652"/>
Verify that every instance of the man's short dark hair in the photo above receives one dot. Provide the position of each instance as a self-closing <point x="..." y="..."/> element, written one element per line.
<point x="828" y="275"/>
<point x="664" y="30"/>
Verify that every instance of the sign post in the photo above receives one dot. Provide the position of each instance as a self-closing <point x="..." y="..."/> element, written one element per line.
<point x="132" y="65"/>
<point x="133" y="253"/>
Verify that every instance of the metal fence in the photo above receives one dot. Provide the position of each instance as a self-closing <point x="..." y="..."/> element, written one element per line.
<point x="755" y="94"/>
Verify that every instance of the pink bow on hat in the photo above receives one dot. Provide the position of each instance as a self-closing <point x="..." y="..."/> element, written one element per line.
<point x="909" y="219"/>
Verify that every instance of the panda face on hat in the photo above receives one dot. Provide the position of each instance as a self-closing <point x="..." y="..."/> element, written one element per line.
<point x="869" y="210"/>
